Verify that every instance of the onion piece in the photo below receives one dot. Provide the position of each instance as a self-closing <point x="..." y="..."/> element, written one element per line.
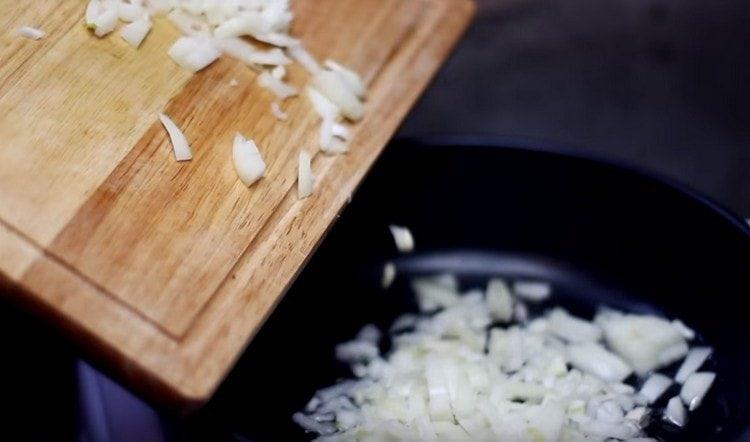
<point x="695" y="388"/>
<point x="134" y="33"/>
<point x="598" y="361"/>
<point x="323" y="106"/>
<point x="31" y="33"/>
<point x="305" y="179"/>
<point x="389" y="275"/>
<point x="277" y="112"/>
<point x="403" y="238"/>
<point x="301" y="56"/>
<point x="130" y="12"/>
<point x="675" y="412"/>
<point x="573" y="329"/>
<point x="693" y="361"/>
<point x="194" y="53"/>
<point x="105" y="22"/>
<point x="187" y="23"/>
<point x="654" y="387"/>
<point x="182" y="151"/>
<point x="277" y="39"/>
<point x="276" y="86"/>
<point x="273" y="57"/>
<point x="684" y="330"/>
<point x="279" y="72"/>
<point x="499" y="301"/>
<point x="532" y="291"/>
<point x="247" y="160"/>
<point x="237" y="48"/>
<point x="331" y="85"/>
<point x="646" y="342"/>
<point x="93" y="9"/>
<point x="351" y="78"/>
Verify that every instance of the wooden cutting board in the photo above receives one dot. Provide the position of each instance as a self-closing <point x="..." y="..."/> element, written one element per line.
<point x="163" y="271"/>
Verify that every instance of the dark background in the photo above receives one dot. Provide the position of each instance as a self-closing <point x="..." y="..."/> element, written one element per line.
<point x="662" y="84"/>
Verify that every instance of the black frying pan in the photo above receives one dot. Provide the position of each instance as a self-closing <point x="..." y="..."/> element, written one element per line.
<point x="599" y="232"/>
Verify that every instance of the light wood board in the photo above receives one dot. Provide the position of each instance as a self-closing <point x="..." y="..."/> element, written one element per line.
<point x="162" y="270"/>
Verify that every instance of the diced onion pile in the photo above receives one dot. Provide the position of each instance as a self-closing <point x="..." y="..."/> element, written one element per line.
<point x="461" y="370"/>
<point x="238" y="29"/>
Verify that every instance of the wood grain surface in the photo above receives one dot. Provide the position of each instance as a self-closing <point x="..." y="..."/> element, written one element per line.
<point x="162" y="270"/>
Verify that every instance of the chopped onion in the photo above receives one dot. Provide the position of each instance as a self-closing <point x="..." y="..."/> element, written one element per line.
<point x="105" y="22"/>
<point x="305" y="179"/>
<point x="237" y="48"/>
<point x="693" y="361"/>
<point x="444" y="379"/>
<point x="675" y="412"/>
<point x="187" y="23"/>
<point x="247" y="160"/>
<point x="695" y="388"/>
<point x="277" y="39"/>
<point x="31" y="33"/>
<point x="180" y="145"/>
<point x="135" y="32"/>
<point x="93" y="9"/>
<point x="323" y="106"/>
<point x="403" y="238"/>
<point x="645" y="342"/>
<point x="278" y="87"/>
<point x="194" y="53"/>
<point x="277" y="112"/>
<point x="301" y="56"/>
<point x="433" y="294"/>
<point x="573" y="329"/>
<point x="330" y="84"/>
<point x="684" y="330"/>
<point x="279" y="72"/>
<point x="654" y="387"/>
<point x="273" y="57"/>
<point x="389" y="275"/>
<point x="130" y="12"/>
<point x="499" y="301"/>
<point x="595" y="359"/>
<point x="351" y="78"/>
<point x="532" y="291"/>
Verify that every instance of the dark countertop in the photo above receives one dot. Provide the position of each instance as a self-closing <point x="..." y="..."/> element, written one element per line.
<point x="662" y="84"/>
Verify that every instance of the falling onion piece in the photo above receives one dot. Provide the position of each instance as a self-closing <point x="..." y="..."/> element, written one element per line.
<point x="695" y="388"/>
<point x="134" y="33"/>
<point x="194" y="53"/>
<point x="305" y="178"/>
<point x="389" y="275"/>
<point x="247" y="160"/>
<point x="403" y="238"/>
<point x="693" y="361"/>
<point x="180" y="145"/>
<point x="31" y="33"/>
